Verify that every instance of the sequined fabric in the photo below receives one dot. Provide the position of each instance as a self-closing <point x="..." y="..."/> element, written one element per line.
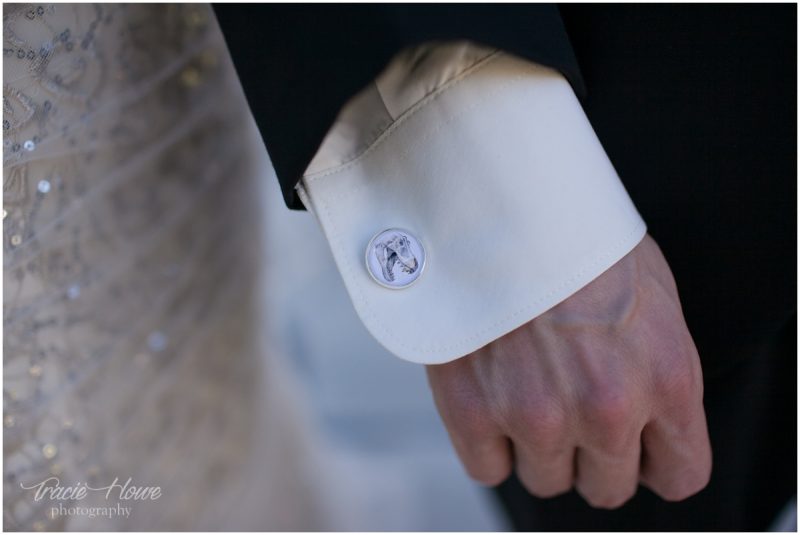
<point x="131" y="254"/>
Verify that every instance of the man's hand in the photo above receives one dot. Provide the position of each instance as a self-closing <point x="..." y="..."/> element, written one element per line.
<point x="602" y="392"/>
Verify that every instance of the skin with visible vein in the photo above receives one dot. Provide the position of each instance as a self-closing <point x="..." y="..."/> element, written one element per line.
<point x="601" y="393"/>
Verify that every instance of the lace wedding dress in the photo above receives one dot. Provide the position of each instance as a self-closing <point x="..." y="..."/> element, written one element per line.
<point x="132" y="246"/>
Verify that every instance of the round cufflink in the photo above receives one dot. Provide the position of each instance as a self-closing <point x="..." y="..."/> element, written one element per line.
<point x="395" y="258"/>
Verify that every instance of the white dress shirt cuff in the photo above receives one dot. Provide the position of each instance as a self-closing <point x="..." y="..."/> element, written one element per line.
<point x="501" y="178"/>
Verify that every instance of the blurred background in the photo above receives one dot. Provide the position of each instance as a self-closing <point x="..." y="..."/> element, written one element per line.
<point x="166" y="319"/>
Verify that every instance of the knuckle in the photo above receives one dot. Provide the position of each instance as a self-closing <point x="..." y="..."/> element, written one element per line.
<point x="700" y="481"/>
<point x="676" y="382"/>
<point x="550" y="492"/>
<point x="489" y="477"/>
<point x="545" y="491"/>
<point x="470" y="414"/>
<point x="610" y="501"/>
<point x="610" y="498"/>
<point x="673" y="493"/>
<point x="679" y="380"/>
<point x="545" y="427"/>
<point x="697" y="482"/>
<point x="685" y="486"/>
<point x="545" y="416"/>
<point x="610" y="408"/>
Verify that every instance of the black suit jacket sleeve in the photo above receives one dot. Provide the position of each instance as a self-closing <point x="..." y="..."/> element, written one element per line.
<point x="299" y="64"/>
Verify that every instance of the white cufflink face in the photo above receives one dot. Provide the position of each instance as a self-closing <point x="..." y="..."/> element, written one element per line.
<point x="395" y="258"/>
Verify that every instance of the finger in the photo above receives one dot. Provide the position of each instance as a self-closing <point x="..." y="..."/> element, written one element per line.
<point x="676" y="461"/>
<point x="487" y="458"/>
<point x="480" y="443"/>
<point x="544" y="474"/>
<point x="608" y="479"/>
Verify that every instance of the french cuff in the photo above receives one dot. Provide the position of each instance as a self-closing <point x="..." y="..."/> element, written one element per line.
<point x="499" y="176"/>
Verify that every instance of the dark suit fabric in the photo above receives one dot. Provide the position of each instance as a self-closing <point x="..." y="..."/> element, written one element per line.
<point x="696" y="108"/>
<point x="299" y="63"/>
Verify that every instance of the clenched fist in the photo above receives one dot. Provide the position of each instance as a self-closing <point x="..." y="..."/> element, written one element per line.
<point x="600" y="393"/>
